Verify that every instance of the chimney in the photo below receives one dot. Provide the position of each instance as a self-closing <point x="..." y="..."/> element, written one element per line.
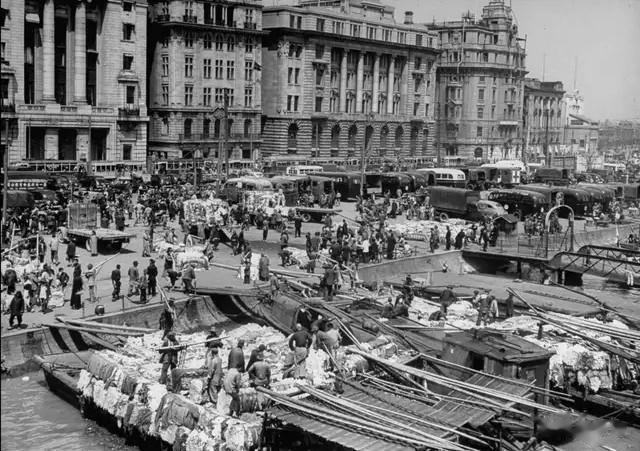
<point x="408" y="18"/>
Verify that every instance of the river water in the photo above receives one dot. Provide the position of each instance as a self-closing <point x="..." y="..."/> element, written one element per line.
<point x="35" y="419"/>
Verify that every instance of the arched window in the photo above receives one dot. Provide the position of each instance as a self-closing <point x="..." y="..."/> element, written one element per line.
<point x="292" y="138"/>
<point x="219" y="42"/>
<point x="229" y="127"/>
<point x="247" y="127"/>
<point x="206" y="127"/>
<point x="367" y="137"/>
<point x="413" y="140"/>
<point x="353" y="133"/>
<point x="231" y="44"/>
<point x="335" y="137"/>
<point x="477" y="153"/>
<point x="187" y="128"/>
<point x="399" y="134"/>
<point x="384" y="134"/>
<point x="216" y="128"/>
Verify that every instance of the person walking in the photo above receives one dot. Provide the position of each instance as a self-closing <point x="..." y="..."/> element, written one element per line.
<point x="143" y="285"/>
<point x="134" y="278"/>
<point x="91" y="282"/>
<point x="231" y="383"/>
<point x="168" y="318"/>
<point x="263" y="268"/>
<point x="116" y="277"/>
<point x="16" y="309"/>
<point x="152" y="277"/>
<point x="215" y="373"/>
<point x="71" y="253"/>
<point x="93" y="243"/>
<point x="146" y="244"/>
<point x="236" y="357"/>
<point x="265" y="230"/>
<point x="53" y="248"/>
<point x="76" y="290"/>
<point x="297" y="223"/>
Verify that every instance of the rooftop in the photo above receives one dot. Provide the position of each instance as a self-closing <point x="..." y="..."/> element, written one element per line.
<point x="498" y="346"/>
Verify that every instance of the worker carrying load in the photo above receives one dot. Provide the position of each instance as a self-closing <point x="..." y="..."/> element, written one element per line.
<point x="169" y="356"/>
<point x="260" y="372"/>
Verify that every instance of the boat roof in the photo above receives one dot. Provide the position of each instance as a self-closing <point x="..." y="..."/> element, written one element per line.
<point x="498" y="346"/>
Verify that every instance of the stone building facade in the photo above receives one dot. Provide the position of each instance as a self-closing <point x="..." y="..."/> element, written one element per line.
<point x="543" y="118"/>
<point x="480" y="87"/>
<point x="343" y="77"/>
<point x="199" y="54"/>
<point x="74" y="77"/>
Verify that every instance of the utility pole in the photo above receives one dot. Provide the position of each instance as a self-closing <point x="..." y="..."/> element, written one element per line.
<point x="365" y="153"/>
<point x="89" y="150"/>
<point x="546" y="139"/>
<point x="5" y="167"/>
<point x="226" y="132"/>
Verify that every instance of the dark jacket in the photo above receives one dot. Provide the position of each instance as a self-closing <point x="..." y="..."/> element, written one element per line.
<point x="300" y="339"/>
<point x="236" y="359"/>
<point x="152" y="271"/>
<point x="17" y="305"/>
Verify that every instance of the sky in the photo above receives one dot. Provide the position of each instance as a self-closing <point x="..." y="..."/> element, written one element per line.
<point x="604" y="36"/>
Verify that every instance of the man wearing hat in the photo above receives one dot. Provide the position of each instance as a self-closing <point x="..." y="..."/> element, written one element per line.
<point x="407" y="288"/>
<point x="446" y="299"/>
<point x="152" y="277"/>
<point x="212" y="343"/>
<point x="169" y="357"/>
<point x="236" y="357"/>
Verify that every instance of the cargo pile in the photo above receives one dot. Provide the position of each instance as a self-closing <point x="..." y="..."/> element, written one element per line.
<point x="124" y="385"/>
<point x="412" y="229"/>
<point x="204" y="210"/>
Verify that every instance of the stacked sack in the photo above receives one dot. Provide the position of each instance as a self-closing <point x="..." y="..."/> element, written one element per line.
<point x="148" y="408"/>
<point x="590" y="368"/>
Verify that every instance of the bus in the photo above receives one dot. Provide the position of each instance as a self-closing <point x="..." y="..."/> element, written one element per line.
<point x="447" y="176"/>
<point x="303" y="170"/>
<point x="346" y="183"/>
<point x="580" y="201"/>
<point x="28" y="180"/>
<point x="234" y="188"/>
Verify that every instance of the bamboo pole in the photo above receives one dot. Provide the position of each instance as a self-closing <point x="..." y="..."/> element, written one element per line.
<point x="467" y="388"/>
<point x="80" y="322"/>
<point x="188" y="345"/>
<point x="94" y="330"/>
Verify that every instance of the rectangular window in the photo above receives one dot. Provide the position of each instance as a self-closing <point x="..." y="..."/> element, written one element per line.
<point x="480" y="112"/>
<point x="319" y="76"/>
<point x="372" y="33"/>
<point x="248" y="70"/>
<point x="206" y="96"/>
<point x="188" y="95"/>
<point x="318" y="108"/>
<point x="355" y="30"/>
<point x="418" y="39"/>
<point x="416" y="108"/>
<point x="231" y="70"/>
<point x="207" y="41"/>
<point x="219" y="96"/>
<point x="319" y="24"/>
<point x="219" y="70"/>
<point x="127" y="6"/>
<point x="493" y="112"/>
<point x="206" y="68"/>
<point x="319" y="51"/>
<point x="188" y="66"/>
<point x="165" y="65"/>
<point x="127" y="62"/>
<point x="481" y="95"/>
<point x="230" y="96"/>
<point x="164" y="42"/>
<point x="481" y="80"/>
<point x="128" y="31"/>
<point x="290" y="75"/>
<point x="297" y="76"/>
<point x="386" y="34"/>
<point x="165" y="95"/>
<point x="131" y="95"/>
<point x="402" y="37"/>
<point x="126" y="151"/>
<point x="248" y="97"/>
<point x="479" y="132"/>
<point x="248" y="45"/>
<point x="418" y="63"/>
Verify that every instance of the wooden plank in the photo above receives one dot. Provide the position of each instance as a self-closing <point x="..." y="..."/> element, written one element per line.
<point x="82" y="323"/>
<point x="92" y="330"/>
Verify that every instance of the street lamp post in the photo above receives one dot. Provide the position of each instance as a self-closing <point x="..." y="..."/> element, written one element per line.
<point x="365" y="153"/>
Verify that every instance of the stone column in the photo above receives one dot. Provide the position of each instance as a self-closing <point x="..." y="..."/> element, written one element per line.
<point x="390" y="75"/>
<point x="343" y="82"/>
<point x="404" y="86"/>
<point x="359" y="82"/>
<point x="376" y="83"/>
<point x="48" y="52"/>
<point x="80" y="73"/>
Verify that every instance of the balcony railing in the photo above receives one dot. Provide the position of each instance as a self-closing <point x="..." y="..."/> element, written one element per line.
<point x="250" y="26"/>
<point x="189" y="18"/>
<point x="220" y="23"/>
<point x="163" y="18"/>
<point x="129" y="111"/>
<point x="8" y="107"/>
<point x="245" y="137"/>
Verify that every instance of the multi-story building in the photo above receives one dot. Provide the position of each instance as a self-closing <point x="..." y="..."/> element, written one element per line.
<point x="480" y="87"/>
<point x="201" y="55"/>
<point x="543" y="119"/>
<point x="343" y="77"/>
<point x="74" y="78"/>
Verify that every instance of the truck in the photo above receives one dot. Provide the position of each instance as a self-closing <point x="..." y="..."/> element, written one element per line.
<point x="82" y="221"/>
<point x="462" y="203"/>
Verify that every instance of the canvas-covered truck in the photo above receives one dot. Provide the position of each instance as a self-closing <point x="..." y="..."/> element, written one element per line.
<point x="462" y="203"/>
<point x="82" y="221"/>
